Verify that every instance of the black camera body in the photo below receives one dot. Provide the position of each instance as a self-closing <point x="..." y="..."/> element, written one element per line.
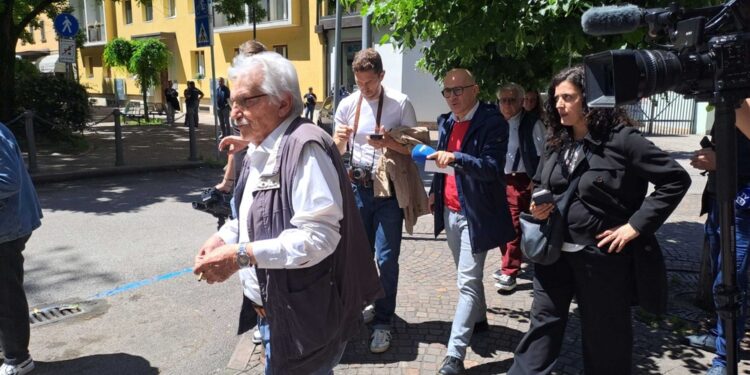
<point x="706" y="54"/>
<point x="216" y="203"/>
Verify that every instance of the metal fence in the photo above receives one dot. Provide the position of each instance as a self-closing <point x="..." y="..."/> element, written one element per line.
<point x="664" y="114"/>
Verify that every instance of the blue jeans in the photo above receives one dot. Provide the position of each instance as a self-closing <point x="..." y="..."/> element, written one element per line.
<point x="383" y="220"/>
<point x="265" y="337"/>
<point x="309" y="110"/>
<point x="265" y="334"/>
<point x="472" y="306"/>
<point x="742" y="238"/>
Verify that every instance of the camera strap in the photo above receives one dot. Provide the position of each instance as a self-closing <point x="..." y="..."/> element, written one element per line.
<point x="377" y="116"/>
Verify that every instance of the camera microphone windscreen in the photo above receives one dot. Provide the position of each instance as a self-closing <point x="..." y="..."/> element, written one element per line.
<point x="611" y="20"/>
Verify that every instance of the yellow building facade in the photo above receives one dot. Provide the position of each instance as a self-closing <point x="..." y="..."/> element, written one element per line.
<point x="289" y="29"/>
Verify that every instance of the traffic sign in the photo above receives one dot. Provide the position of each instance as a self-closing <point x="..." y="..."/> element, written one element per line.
<point x="66" y="25"/>
<point x="67" y="50"/>
<point x="203" y="29"/>
<point x="201" y="8"/>
<point x="203" y="32"/>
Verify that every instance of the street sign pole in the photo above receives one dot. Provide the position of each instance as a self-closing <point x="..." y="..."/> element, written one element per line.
<point x="66" y="27"/>
<point x="214" y="86"/>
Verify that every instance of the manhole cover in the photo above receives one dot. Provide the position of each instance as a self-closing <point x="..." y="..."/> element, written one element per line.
<point x="53" y="314"/>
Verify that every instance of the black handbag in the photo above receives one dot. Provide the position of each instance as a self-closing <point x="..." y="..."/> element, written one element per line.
<point x="542" y="240"/>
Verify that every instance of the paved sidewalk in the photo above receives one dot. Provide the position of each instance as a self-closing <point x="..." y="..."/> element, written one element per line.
<point x="145" y="148"/>
<point x="427" y="291"/>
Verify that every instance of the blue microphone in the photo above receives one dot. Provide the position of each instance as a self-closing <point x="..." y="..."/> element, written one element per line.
<point x="420" y="152"/>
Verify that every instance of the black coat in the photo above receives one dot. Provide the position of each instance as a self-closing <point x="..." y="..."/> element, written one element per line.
<point x="613" y="188"/>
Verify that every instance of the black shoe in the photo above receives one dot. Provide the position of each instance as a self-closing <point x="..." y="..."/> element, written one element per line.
<point x="452" y="366"/>
<point x="481" y="327"/>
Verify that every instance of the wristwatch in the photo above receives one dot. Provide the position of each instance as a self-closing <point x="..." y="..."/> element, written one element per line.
<point x="243" y="260"/>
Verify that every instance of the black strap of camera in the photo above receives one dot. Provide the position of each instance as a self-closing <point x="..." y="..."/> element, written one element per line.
<point x="356" y="119"/>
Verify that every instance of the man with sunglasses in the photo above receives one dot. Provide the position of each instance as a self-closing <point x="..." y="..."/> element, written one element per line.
<point x="363" y="120"/>
<point x="525" y="145"/>
<point x="469" y="204"/>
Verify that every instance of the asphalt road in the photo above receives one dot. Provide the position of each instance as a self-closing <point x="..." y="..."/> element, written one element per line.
<point x="126" y="243"/>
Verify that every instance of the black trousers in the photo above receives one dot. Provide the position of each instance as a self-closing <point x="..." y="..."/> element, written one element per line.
<point x="14" y="309"/>
<point x="603" y="286"/>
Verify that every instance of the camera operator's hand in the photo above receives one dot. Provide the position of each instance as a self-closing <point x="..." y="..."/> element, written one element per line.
<point x="704" y="159"/>
<point x="234" y="143"/>
<point x="225" y="185"/>
<point x="219" y="264"/>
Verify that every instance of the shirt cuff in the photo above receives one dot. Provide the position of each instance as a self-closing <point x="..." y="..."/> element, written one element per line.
<point x="228" y="236"/>
<point x="265" y="252"/>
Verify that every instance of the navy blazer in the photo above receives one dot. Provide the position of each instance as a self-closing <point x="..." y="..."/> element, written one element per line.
<point x="480" y="178"/>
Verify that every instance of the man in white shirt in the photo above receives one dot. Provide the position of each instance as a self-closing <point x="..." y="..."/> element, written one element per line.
<point x="525" y="146"/>
<point x="363" y="120"/>
<point x="295" y="226"/>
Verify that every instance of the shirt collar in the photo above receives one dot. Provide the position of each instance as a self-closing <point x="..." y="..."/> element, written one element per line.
<point x="517" y="118"/>
<point x="270" y="146"/>
<point x="469" y="115"/>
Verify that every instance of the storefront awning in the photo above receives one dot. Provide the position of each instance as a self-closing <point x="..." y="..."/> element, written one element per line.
<point x="49" y="64"/>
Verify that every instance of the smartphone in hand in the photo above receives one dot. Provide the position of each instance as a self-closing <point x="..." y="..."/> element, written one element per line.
<point x="542" y="196"/>
<point x="376" y="136"/>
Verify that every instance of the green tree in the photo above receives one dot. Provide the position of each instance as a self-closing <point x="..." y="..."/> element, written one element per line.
<point x="500" y="40"/>
<point x="144" y="58"/>
<point x="234" y="10"/>
<point x="15" y="18"/>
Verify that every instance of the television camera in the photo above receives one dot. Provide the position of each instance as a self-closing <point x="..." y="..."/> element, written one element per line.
<point x="216" y="203"/>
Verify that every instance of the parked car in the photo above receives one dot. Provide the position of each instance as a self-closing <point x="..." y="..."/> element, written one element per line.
<point x="325" y="115"/>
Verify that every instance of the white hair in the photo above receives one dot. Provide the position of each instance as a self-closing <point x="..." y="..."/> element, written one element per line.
<point x="279" y="76"/>
<point x="517" y="90"/>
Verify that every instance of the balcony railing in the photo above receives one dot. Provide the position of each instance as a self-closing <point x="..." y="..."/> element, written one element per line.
<point x="96" y="33"/>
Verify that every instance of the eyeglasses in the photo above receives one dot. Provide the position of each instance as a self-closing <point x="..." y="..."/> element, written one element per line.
<point x="508" y="100"/>
<point x="456" y="91"/>
<point x="246" y="102"/>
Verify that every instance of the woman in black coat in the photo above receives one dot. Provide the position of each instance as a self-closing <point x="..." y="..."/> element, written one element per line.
<point x="610" y="253"/>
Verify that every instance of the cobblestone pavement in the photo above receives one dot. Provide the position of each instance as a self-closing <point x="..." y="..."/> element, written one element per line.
<point x="427" y="290"/>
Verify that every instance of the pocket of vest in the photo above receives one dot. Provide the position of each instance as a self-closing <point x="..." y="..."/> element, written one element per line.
<point x="314" y="316"/>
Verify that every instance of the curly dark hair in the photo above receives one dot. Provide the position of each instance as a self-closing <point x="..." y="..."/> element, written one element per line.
<point x="600" y="120"/>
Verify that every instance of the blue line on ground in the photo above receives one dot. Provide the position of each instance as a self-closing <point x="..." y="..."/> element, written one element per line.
<point x="140" y="283"/>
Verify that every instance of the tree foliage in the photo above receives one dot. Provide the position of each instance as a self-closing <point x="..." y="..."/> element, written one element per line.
<point x="144" y="58"/>
<point x="500" y="40"/>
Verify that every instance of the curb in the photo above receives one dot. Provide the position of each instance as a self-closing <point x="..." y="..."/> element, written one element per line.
<point x="45" y="178"/>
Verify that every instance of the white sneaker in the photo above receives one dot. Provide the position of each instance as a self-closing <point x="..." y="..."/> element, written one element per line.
<point x="22" y="368"/>
<point x="381" y="341"/>
<point x="257" y="338"/>
<point x="506" y="283"/>
<point x="368" y="314"/>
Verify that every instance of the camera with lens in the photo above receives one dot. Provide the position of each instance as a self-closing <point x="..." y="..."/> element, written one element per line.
<point x="216" y="203"/>
<point x="699" y="53"/>
<point x="358" y="173"/>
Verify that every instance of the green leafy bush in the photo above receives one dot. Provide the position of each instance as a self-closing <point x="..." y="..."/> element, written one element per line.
<point x="61" y="103"/>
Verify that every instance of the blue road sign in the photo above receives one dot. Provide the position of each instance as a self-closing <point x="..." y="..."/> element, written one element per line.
<point x="66" y="25"/>
<point x="203" y="30"/>
<point x="203" y="37"/>
<point x="201" y="8"/>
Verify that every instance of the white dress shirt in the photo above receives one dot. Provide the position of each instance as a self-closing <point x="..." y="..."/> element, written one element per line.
<point x="316" y="201"/>
<point x="514" y="124"/>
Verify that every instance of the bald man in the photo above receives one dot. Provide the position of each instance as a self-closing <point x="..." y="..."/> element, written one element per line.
<point x="470" y="205"/>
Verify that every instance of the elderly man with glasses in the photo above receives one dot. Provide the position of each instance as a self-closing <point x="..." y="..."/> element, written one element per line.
<point x="525" y="146"/>
<point x="297" y="223"/>
<point x="470" y="203"/>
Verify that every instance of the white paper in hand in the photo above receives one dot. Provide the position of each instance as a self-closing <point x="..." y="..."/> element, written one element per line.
<point x="431" y="166"/>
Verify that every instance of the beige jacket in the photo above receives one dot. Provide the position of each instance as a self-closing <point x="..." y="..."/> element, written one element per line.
<point x="403" y="172"/>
